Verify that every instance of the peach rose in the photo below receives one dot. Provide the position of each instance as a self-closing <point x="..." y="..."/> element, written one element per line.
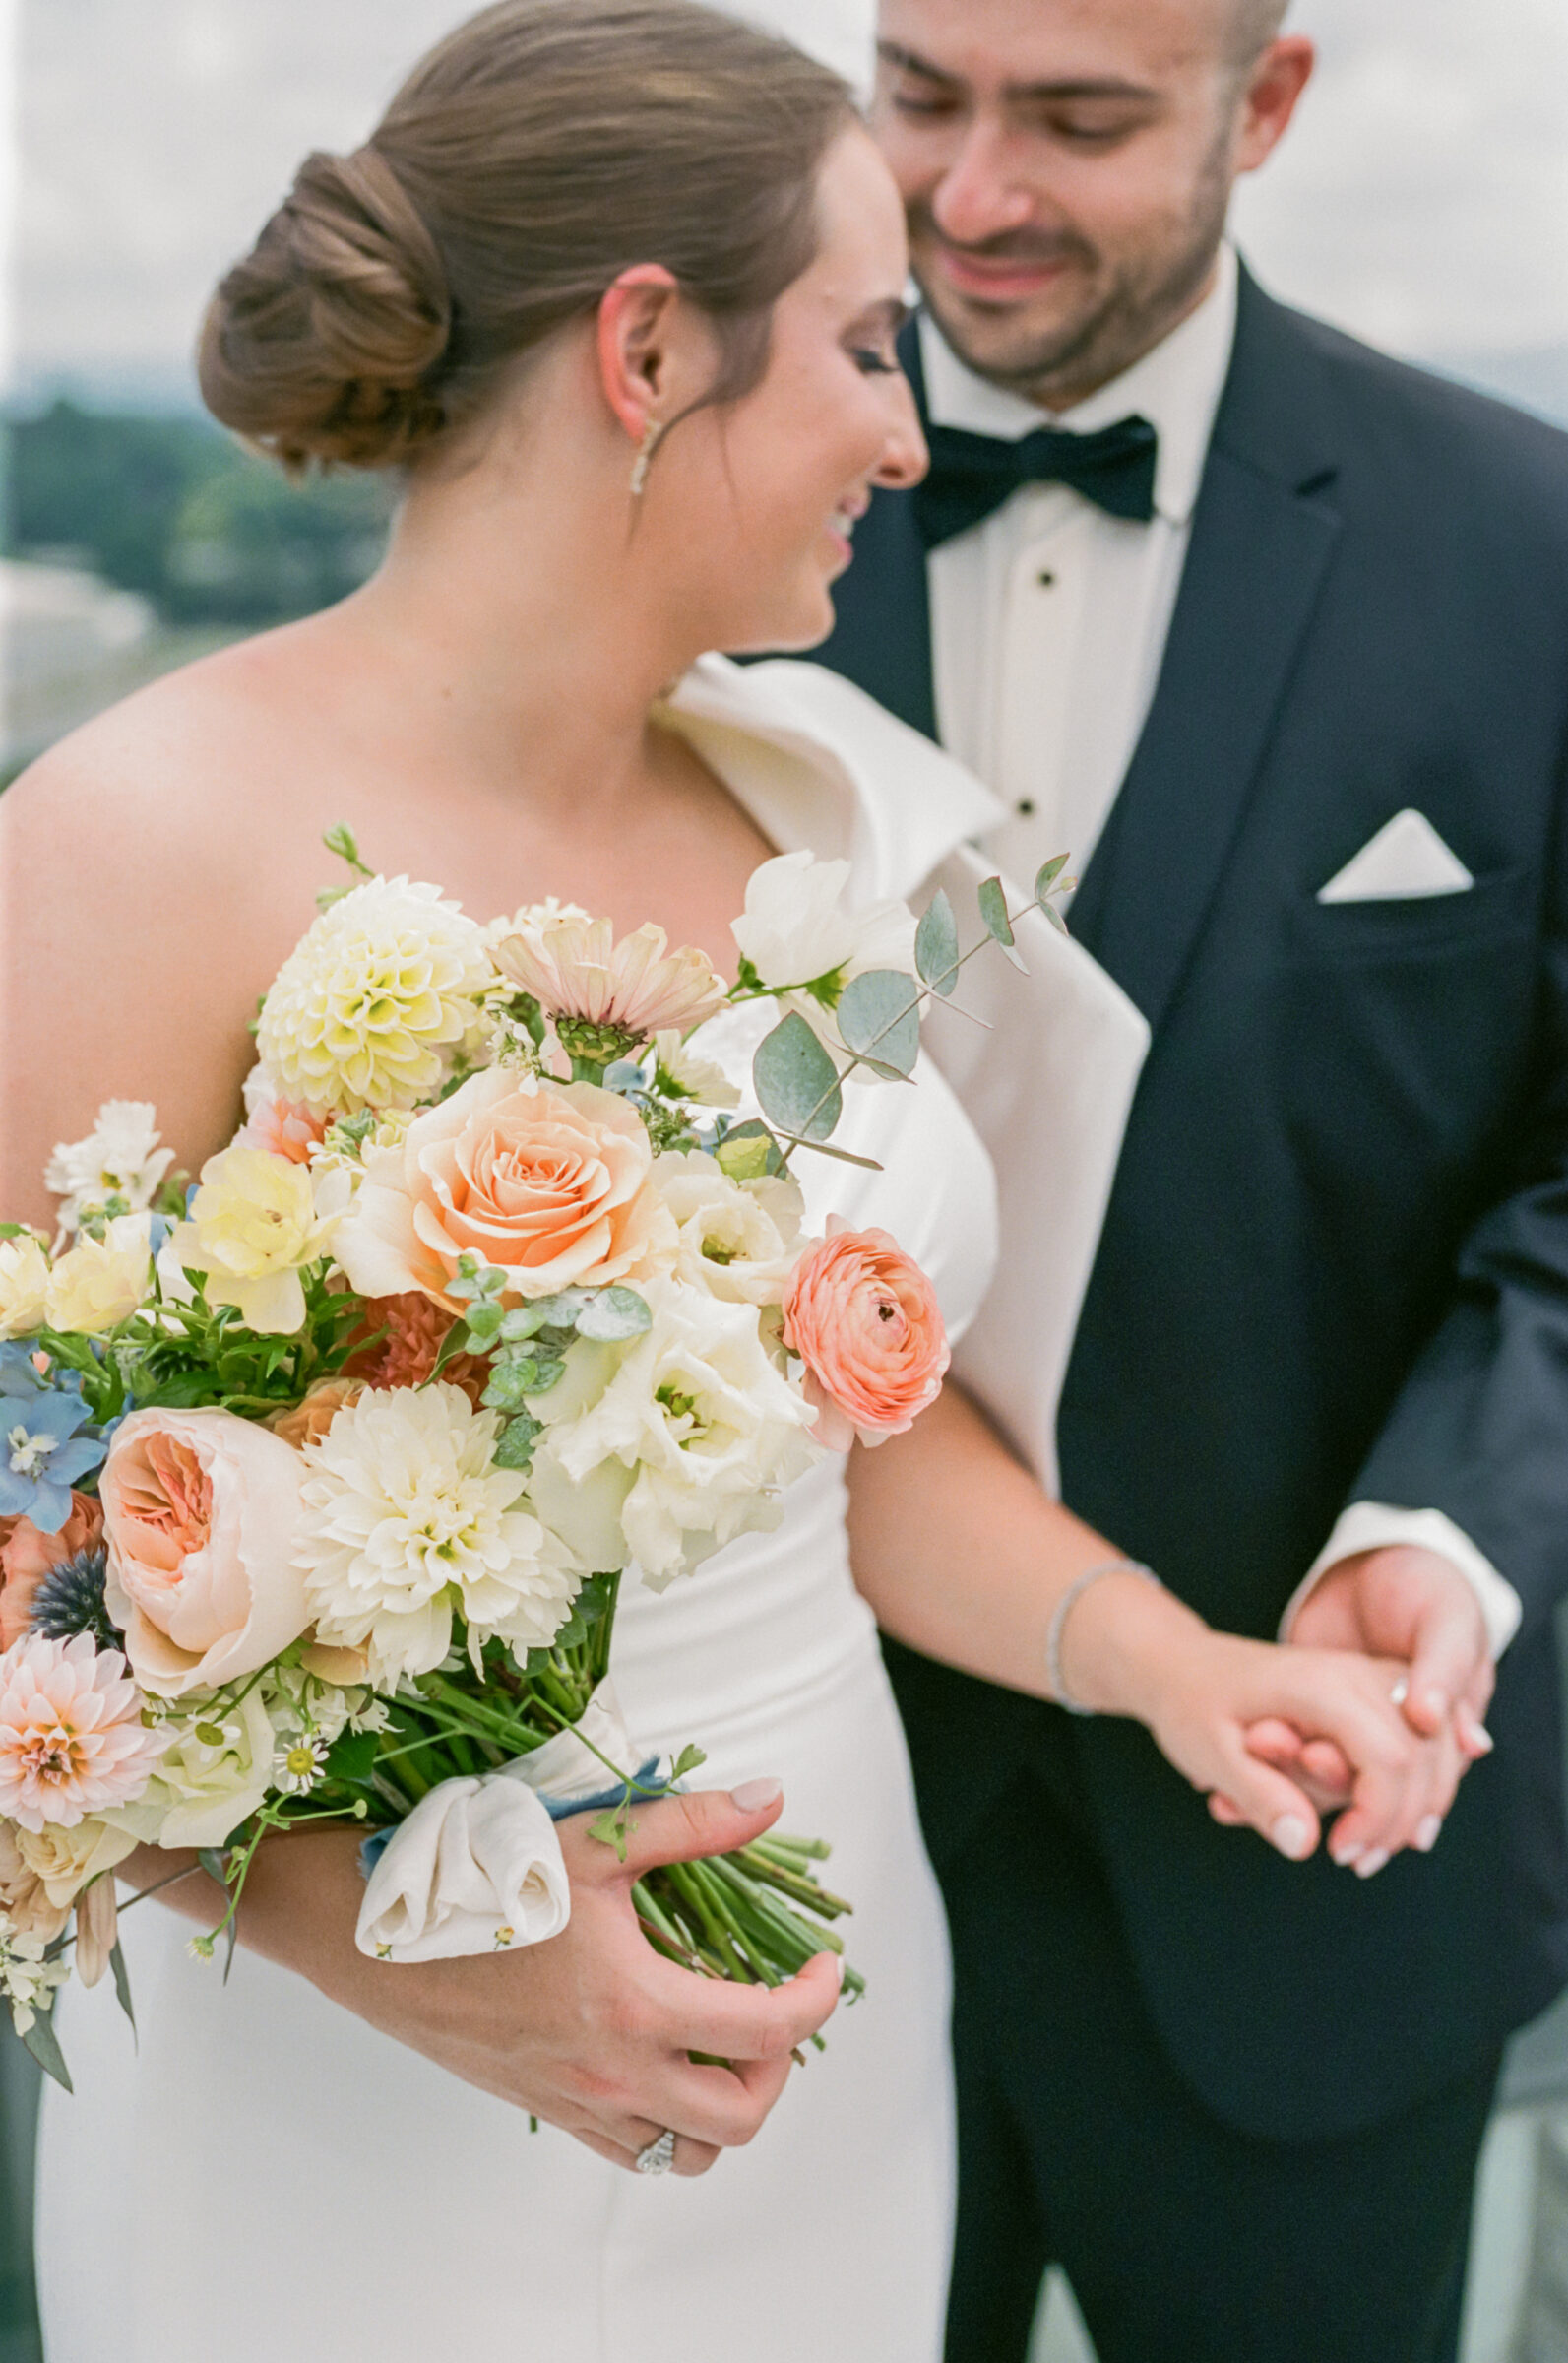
<point x="864" y="1320"/>
<point x="27" y="1555"/>
<point x="199" y="1511"/>
<point x="548" y="1181"/>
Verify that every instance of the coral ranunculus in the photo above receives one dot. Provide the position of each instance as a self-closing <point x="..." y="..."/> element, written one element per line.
<point x="550" y="1181"/>
<point x="200" y="1511"/>
<point x="26" y="1555"/>
<point x="864" y="1320"/>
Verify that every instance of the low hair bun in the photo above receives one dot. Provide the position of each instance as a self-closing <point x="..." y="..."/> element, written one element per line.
<point x="326" y="342"/>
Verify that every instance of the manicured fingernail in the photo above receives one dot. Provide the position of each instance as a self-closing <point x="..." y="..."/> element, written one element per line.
<point x="1292" y="1836"/>
<point x="753" y="1795"/>
<point x="1478" y="1737"/>
<point x="1351" y="1852"/>
<point x="1430" y="1830"/>
<point x="1371" y="1863"/>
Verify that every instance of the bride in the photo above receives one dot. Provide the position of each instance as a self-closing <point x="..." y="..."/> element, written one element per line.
<point x="615" y="285"/>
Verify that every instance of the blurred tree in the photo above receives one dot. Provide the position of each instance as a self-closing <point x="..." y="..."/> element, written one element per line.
<point x="177" y="510"/>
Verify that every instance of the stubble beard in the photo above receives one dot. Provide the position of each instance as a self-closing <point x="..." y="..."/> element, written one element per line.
<point x="1123" y="318"/>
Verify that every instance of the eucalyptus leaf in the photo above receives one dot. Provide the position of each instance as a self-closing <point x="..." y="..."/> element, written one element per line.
<point x="1055" y="918"/>
<point x="613" y="1314"/>
<point x="879" y="1017"/>
<point x="1047" y="876"/>
<point x="485" y="1324"/>
<point x="936" y="946"/>
<point x="523" y="1322"/>
<point x="515" y="1451"/>
<point x="561" y="1311"/>
<point x="44" y="2044"/>
<point x="796" y="1080"/>
<point x="993" y="910"/>
<point x="122" y="1984"/>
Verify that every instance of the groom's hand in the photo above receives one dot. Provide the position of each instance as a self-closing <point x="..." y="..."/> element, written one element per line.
<point x="1413" y="1603"/>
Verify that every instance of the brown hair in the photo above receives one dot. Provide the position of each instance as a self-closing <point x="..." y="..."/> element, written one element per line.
<point x="537" y="153"/>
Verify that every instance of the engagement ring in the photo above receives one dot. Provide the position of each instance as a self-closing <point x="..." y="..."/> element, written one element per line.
<point x="658" y="2158"/>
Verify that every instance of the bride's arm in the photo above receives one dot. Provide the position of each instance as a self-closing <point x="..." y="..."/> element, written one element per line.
<point x="590" y="2030"/>
<point x="965" y="1557"/>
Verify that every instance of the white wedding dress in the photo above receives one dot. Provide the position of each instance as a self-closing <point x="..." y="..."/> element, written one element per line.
<point x="269" y="2179"/>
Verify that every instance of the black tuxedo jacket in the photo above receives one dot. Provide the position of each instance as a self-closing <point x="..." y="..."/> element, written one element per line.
<point x="1335" y="1266"/>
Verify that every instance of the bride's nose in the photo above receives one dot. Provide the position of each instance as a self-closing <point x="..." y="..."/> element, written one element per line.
<point x="904" y="459"/>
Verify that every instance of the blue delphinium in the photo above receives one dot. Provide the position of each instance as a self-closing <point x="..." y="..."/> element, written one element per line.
<point x="42" y="1452"/>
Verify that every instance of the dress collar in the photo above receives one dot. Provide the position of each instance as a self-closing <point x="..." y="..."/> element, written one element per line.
<point x="1177" y="387"/>
<point x="819" y="765"/>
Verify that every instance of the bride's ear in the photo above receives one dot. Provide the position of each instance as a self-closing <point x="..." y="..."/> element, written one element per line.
<point x="637" y="335"/>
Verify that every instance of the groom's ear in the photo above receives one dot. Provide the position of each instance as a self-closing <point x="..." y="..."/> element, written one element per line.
<point x="639" y="335"/>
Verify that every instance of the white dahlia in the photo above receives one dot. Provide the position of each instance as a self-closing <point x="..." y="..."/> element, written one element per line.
<point x="407" y="1521"/>
<point x="377" y="1001"/>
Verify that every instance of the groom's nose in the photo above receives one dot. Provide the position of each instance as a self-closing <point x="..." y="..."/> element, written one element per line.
<point x="983" y="192"/>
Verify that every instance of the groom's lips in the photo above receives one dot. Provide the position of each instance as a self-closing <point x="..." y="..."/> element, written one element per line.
<point x="1000" y="278"/>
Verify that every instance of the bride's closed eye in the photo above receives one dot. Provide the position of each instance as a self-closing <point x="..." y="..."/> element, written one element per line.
<point x="873" y="363"/>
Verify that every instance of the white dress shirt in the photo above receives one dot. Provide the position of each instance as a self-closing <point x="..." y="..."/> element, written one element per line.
<point x="1049" y="628"/>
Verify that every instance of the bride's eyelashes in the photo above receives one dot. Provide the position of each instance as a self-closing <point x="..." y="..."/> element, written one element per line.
<point x="872" y="363"/>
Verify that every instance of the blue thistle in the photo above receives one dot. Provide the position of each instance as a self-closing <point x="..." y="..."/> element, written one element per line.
<point x="69" y="1600"/>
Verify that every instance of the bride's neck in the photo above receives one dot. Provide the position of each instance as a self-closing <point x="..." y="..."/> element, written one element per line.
<point x="514" y="610"/>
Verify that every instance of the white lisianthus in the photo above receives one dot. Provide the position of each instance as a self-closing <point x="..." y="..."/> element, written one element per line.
<point x="215" y="1770"/>
<point x="115" y="1170"/>
<point x="798" y="928"/>
<point x="407" y="1521"/>
<point x="709" y="1426"/>
<point x="101" y="1282"/>
<point x="62" y="1861"/>
<point x="700" y="1079"/>
<point x="24" y="1285"/>
<point x="255" y="1223"/>
<point x="378" y="1001"/>
<point x="739" y="1239"/>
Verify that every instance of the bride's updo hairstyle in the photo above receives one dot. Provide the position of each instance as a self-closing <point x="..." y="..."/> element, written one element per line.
<point x="540" y="151"/>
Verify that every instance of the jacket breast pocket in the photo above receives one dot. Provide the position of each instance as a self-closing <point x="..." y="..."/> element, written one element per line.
<point x="1497" y="909"/>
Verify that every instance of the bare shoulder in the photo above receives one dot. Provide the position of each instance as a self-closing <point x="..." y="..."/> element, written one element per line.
<point x="141" y="915"/>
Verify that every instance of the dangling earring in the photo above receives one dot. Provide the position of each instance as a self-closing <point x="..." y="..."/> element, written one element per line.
<point x="652" y="434"/>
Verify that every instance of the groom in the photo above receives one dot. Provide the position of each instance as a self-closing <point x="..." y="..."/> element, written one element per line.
<point x="1277" y="645"/>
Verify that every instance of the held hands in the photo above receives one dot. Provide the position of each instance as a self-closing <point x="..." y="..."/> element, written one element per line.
<point x="1406" y="1604"/>
<point x="1274" y="1736"/>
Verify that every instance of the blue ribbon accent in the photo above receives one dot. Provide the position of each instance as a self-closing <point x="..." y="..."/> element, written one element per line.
<point x="559" y="1809"/>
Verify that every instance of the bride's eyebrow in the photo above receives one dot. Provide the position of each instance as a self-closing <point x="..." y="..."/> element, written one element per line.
<point x="884" y="318"/>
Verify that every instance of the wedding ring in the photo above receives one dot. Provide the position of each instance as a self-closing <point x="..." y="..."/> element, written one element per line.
<point x="1400" y="1693"/>
<point x="658" y="2158"/>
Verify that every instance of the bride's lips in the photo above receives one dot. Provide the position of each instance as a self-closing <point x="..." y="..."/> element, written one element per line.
<point x="842" y="524"/>
<point x="999" y="279"/>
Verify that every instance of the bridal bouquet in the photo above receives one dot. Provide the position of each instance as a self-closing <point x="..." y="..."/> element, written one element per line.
<point x="319" y="1479"/>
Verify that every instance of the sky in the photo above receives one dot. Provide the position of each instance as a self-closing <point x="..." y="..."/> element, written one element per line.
<point x="1422" y="199"/>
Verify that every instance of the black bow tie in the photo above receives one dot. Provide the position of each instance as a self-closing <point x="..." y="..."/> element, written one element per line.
<point x="970" y="475"/>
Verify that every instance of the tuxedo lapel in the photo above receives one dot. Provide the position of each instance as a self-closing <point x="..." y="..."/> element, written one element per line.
<point x="1262" y="537"/>
<point x="881" y="638"/>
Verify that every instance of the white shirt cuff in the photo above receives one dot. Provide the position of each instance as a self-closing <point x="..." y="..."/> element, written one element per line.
<point x="1376" y="1526"/>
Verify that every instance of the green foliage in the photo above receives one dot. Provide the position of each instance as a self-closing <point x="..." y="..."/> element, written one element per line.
<point x="879" y="1017"/>
<point x="174" y="509"/>
<point x="993" y="910"/>
<point x="44" y="2044"/>
<point x="796" y="1082"/>
<point x="936" y="946"/>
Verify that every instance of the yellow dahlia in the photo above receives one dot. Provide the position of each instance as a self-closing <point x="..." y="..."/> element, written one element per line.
<point x="377" y="1003"/>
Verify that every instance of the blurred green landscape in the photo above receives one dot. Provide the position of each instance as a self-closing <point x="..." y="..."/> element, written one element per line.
<point x="130" y="542"/>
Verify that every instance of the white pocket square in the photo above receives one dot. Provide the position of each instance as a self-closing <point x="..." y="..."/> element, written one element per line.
<point x="1406" y="858"/>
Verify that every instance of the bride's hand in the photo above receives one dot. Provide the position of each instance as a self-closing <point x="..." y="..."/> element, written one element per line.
<point x="590" y="2030"/>
<point x="1136" y="1651"/>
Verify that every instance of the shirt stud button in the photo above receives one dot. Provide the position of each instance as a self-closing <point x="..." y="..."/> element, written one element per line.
<point x="1025" y="808"/>
<point x="1045" y="579"/>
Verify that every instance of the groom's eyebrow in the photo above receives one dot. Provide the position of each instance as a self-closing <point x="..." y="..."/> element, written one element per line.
<point x="1078" y="87"/>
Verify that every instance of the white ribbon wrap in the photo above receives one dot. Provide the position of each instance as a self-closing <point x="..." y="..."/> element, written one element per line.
<point x="478" y="1865"/>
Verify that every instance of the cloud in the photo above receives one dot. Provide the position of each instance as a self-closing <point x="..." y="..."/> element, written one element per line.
<point x="1422" y="198"/>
